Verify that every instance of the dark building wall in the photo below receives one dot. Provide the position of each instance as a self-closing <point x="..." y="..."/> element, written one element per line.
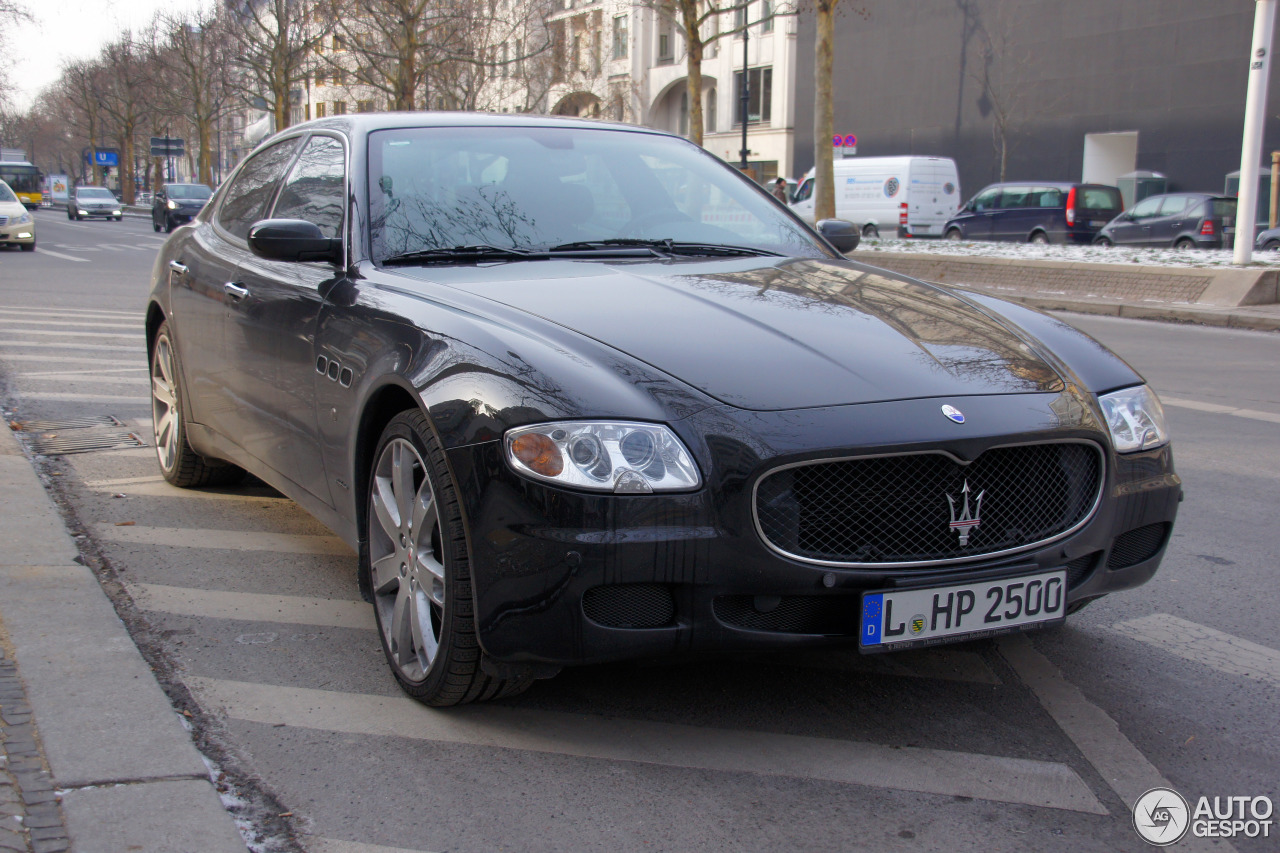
<point x="907" y="80"/>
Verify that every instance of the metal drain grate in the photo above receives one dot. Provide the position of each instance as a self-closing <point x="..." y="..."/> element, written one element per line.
<point x="70" y="423"/>
<point x="83" y="441"/>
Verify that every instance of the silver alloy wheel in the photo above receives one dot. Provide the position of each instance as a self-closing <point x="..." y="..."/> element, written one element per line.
<point x="1040" y="238"/>
<point x="165" y="417"/>
<point x="406" y="559"/>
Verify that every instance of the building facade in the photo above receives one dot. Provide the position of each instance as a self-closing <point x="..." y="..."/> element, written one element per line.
<point x="1090" y="89"/>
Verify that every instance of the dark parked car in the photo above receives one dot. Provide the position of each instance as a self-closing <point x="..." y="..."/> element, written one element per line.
<point x="580" y="392"/>
<point x="1268" y="240"/>
<point x="1181" y="220"/>
<point x="88" y="202"/>
<point x="1036" y="212"/>
<point x="176" y="204"/>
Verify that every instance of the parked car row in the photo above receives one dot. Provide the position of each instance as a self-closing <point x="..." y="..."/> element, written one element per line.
<point x="915" y="197"/>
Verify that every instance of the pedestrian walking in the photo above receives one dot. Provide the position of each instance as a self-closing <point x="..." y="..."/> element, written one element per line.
<point x="780" y="190"/>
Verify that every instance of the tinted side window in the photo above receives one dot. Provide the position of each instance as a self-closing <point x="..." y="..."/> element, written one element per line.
<point x="986" y="199"/>
<point x="1173" y="204"/>
<point x="806" y="190"/>
<point x="1146" y="208"/>
<point x="316" y="188"/>
<point x="248" y="196"/>
<point x="1046" y="197"/>
<point x="1015" y="197"/>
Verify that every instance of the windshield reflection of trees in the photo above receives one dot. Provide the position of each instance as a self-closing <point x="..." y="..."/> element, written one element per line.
<point x="951" y="335"/>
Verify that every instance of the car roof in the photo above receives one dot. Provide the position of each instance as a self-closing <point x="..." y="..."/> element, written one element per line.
<point x="368" y="122"/>
<point x="1057" y="185"/>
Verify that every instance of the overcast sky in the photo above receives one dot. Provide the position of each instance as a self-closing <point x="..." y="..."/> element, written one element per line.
<point x="75" y="29"/>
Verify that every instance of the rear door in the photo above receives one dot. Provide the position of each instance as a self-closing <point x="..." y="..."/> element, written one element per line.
<point x="928" y="203"/>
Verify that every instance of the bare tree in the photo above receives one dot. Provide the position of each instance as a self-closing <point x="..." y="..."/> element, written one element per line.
<point x="275" y="42"/>
<point x="824" y="122"/>
<point x="196" y="54"/>
<point x="125" y="97"/>
<point x="1002" y="70"/>
<point x="81" y="86"/>
<point x="11" y="14"/>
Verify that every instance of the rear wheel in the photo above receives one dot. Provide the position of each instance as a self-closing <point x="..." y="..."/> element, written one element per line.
<point x="179" y="464"/>
<point x="954" y="235"/>
<point x="1185" y="243"/>
<point x="1271" y="245"/>
<point x="417" y="561"/>
<point x="870" y="232"/>
<point x="1040" y="238"/>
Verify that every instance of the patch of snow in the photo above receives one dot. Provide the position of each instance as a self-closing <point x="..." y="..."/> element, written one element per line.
<point x="1163" y="256"/>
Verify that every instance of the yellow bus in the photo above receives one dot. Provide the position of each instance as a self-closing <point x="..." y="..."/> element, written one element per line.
<point x="25" y="180"/>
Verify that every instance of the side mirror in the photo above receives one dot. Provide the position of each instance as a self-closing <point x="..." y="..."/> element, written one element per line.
<point x="840" y="233"/>
<point x="293" y="240"/>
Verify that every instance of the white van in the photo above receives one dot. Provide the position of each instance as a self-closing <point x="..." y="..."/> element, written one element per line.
<point x="906" y="196"/>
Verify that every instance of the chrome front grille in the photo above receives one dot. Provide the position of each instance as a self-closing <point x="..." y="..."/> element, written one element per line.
<point x="894" y="510"/>
<point x="4" y="220"/>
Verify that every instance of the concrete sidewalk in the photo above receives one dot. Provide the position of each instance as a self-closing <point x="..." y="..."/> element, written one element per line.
<point x="93" y="757"/>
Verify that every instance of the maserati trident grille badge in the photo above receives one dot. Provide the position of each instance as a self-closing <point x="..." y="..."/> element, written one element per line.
<point x="953" y="414"/>
<point x="967" y="521"/>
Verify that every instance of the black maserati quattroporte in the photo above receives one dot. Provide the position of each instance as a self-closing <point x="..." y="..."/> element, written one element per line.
<point x="580" y="392"/>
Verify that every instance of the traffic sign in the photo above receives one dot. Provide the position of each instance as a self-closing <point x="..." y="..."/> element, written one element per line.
<point x="106" y="157"/>
<point x="848" y="142"/>
<point x="167" y="146"/>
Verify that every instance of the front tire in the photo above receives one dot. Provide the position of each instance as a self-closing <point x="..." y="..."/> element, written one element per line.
<point x="954" y="235"/>
<point x="179" y="464"/>
<point x="870" y="232"/>
<point x="1271" y="245"/>
<point x="168" y="224"/>
<point x="1104" y="242"/>
<point x="417" y="561"/>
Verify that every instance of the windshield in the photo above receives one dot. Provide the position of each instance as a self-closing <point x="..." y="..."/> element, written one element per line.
<point x="94" y="192"/>
<point x="197" y="192"/>
<point x="534" y="188"/>
<point x="6" y="194"/>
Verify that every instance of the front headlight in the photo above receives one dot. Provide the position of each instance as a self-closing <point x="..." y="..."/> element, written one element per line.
<point x="24" y="218"/>
<point x="82" y="211"/>
<point x="619" y="457"/>
<point x="115" y="213"/>
<point x="1135" y="419"/>
<point x="171" y="204"/>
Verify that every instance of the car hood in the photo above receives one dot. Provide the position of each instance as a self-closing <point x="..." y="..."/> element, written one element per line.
<point x="768" y="334"/>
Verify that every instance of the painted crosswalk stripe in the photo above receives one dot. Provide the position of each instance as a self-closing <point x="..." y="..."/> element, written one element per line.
<point x="229" y="540"/>
<point x="44" y="358"/>
<point x="316" y="844"/>
<point x="60" y="397"/>
<point x="1219" y="409"/>
<point x="53" y="254"/>
<point x="51" y="332"/>
<point x="97" y="378"/>
<point x="254" y="606"/>
<point x="932" y="771"/>
<point x="140" y="347"/>
<point x="19" y="311"/>
<point x="1204" y="645"/>
<point x="158" y="488"/>
<point x="51" y="321"/>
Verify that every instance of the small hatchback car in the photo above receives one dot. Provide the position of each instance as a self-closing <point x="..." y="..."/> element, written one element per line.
<point x="88" y="202"/>
<point x="1035" y="212"/>
<point x="1181" y="220"/>
<point x="176" y="204"/>
<point x="580" y="392"/>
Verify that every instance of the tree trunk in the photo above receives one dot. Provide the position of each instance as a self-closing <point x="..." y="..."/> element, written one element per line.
<point x="204" y="132"/>
<point x="693" y="62"/>
<point x="126" y="165"/>
<point x="824" y="190"/>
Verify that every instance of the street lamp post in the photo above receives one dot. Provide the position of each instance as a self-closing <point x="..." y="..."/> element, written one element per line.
<point x="1255" y="110"/>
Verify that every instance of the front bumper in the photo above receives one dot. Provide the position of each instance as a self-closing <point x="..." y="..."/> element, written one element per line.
<point x="564" y="577"/>
<point x="14" y="234"/>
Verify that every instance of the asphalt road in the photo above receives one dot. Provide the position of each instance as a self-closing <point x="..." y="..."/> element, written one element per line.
<point x="250" y="612"/>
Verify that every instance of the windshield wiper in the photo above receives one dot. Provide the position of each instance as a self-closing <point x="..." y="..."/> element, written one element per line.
<point x="668" y="246"/>
<point x="465" y="254"/>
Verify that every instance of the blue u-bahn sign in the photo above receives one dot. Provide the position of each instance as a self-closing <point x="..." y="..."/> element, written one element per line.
<point x="105" y="158"/>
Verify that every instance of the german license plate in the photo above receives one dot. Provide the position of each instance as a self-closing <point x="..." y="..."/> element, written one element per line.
<point x="897" y="619"/>
<point x="1097" y="223"/>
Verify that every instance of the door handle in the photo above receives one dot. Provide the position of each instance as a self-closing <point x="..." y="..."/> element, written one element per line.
<point x="180" y="269"/>
<point x="235" y="291"/>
